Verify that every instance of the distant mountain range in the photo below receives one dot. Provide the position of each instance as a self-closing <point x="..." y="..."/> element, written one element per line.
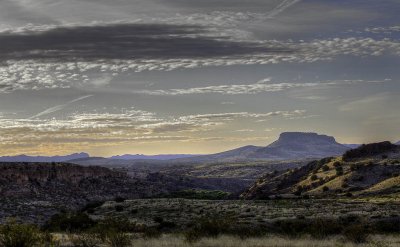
<point x="290" y="145"/>
<point x="25" y="158"/>
<point x="151" y="157"/>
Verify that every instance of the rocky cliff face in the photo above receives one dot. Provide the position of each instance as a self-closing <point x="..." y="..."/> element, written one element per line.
<point x="35" y="191"/>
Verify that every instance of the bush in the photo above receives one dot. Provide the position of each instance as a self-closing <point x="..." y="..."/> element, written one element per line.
<point x="151" y="232"/>
<point x="48" y="240"/>
<point x="19" y="235"/>
<point x="314" y="177"/>
<point x="208" y="227"/>
<point x="244" y="232"/>
<point x="70" y="222"/>
<point x="325" y="168"/>
<point x="369" y="150"/>
<point x="339" y="171"/>
<point x="118" y="239"/>
<point x="325" y="188"/>
<point x="119" y="199"/>
<point x="391" y="225"/>
<point x="119" y="208"/>
<point x="317" y="228"/>
<point x="85" y="240"/>
<point x="91" y="206"/>
<point x="356" y="233"/>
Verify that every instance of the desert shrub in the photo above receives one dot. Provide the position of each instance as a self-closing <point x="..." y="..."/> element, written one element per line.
<point x="118" y="239"/>
<point x="208" y="227"/>
<point x="325" y="168"/>
<point x="337" y="164"/>
<point x="19" y="235"/>
<point x="119" y="208"/>
<point x="325" y="188"/>
<point x="91" y="206"/>
<point x="358" y="178"/>
<point x="151" y="232"/>
<point x="325" y="160"/>
<point x="85" y="240"/>
<point x="355" y="167"/>
<point x="321" y="228"/>
<point x="391" y="225"/>
<point x="314" y="177"/>
<point x="369" y="150"/>
<point x="166" y="225"/>
<point x="291" y="228"/>
<point x="70" y="222"/>
<point x="317" y="228"/>
<point x="339" y="171"/>
<point x="119" y="199"/>
<point x="113" y="225"/>
<point x="244" y="232"/>
<point x="356" y="233"/>
<point x="349" y="194"/>
<point x="200" y="194"/>
<point x="158" y="219"/>
<point x="48" y="240"/>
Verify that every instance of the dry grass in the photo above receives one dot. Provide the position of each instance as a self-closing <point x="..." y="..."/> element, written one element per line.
<point x="271" y="241"/>
<point x="183" y="211"/>
<point x="386" y="184"/>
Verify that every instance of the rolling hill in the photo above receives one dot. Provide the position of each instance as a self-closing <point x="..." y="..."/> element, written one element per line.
<point x="369" y="169"/>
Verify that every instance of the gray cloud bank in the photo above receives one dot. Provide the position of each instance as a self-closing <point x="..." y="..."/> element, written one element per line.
<point x="73" y="56"/>
<point x="125" y="41"/>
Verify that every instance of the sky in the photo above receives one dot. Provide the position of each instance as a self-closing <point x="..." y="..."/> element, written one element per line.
<point x="191" y="76"/>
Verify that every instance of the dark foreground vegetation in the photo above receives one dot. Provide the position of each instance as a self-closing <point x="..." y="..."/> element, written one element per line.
<point x="79" y="230"/>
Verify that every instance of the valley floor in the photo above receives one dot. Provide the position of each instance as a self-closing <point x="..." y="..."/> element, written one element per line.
<point x="183" y="211"/>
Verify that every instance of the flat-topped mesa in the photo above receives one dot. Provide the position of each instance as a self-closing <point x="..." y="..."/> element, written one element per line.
<point x="297" y="145"/>
<point x="302" y="137"/>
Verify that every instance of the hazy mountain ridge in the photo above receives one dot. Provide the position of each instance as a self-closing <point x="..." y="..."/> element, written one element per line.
<point x="358" y="172"/>
<point x="26" y="158"/>
<point x="290" y="145"/>
<point x="151" y="157"/>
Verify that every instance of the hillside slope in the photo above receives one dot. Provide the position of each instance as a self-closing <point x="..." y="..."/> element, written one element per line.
<point x="358" y="172"/>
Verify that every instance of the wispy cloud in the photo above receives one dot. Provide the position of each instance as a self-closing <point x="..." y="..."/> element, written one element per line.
<point x="59" y="107"/>
<point x="261" y="86"/>
<point x="88" y="130"/>
<point x="282" y="7"/>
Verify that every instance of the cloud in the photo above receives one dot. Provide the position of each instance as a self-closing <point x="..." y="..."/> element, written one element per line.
<point x="74" y="56"/>
<point x="385" y="30"/>
<point x="59" y="107"/>
<point x="125" y="41"/>
<point x="262" y="86"/>
<point x="367" y="103"/>
<point x="108" y="129"/>
<point x="282" y="7"/>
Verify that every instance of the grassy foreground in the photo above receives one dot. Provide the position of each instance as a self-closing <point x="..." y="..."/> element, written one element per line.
<point x="268" y="241"/>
